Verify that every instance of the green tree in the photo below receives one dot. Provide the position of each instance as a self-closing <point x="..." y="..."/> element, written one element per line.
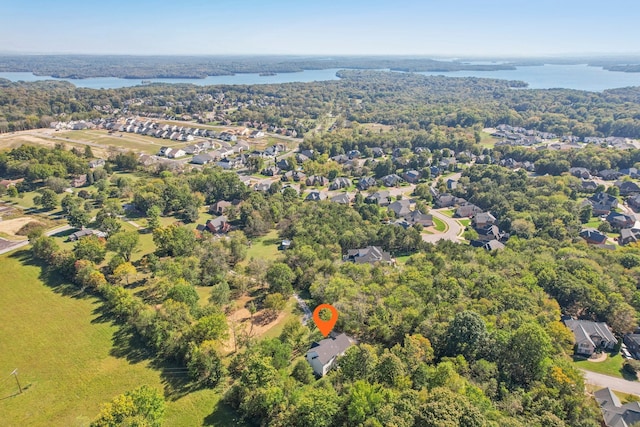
<point x="303" y="372"/>
<point x="48" y="199"/>
<point x="91" y="248"/>
<point x="143" y="406"/>
<point x="183" y="292"/>
<point x="586" y="213"/>
<point x="467" y="335"/>
<point x="211" y="327"/>
<point x="280" y="278"/>
<point x="153" y="217"/>
<point x="78" y="218"/>
<point x="527" y="354"/>
<point x="125" y="271"/>
<point x="205" y="365"/>
<point x="274" y="303"/>
<point x="124" y="243"/>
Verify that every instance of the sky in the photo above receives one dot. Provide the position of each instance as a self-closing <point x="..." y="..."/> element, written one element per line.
<point x="323" y="27"/>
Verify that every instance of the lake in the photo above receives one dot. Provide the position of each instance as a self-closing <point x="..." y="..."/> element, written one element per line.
<point x="580" y="77"/>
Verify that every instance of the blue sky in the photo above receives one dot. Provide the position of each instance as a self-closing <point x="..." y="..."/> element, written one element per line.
<point x="404" y="27"/>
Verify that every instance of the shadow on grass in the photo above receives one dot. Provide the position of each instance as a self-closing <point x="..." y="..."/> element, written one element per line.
<point x="128" y="345"/>
<point x="224" y="415"/>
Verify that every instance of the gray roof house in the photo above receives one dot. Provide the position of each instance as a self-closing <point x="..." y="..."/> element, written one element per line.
<point x="391" y="180"/>
<point x="381" y="198"/>
<point x="467" y="211"/>
<point x="616" y="414"/>
<point x="417" y="217"/>
<point x="322" y="355"/>
<point x="590" y="335"/>
<point x="342" y="198"/>
<point x="316" y="196"/>
<point x="483" y="219"/>
<point x="339" y="183"/>
<point x="401" y="207"/>
<point x="366" y="182"/>
<point x="370" y="254"/>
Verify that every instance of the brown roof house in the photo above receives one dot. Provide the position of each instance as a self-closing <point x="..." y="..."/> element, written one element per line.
<point x="322" y="355"/>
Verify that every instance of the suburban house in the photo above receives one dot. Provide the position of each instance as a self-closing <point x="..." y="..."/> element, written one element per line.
<point x="322" y="355"/>
<point x="202" y="159"/>
<point x="400" y="207"/>
<point x="493" y="245"/>
<point x="370" y="254"/>
<point x="417" y="217"/>
<point x="632" y="341"/>
<point x="588" y="186"/>
<point x="446" y="200"/>
<point x="84" y="233"/>
<point x="366" y="182"/>
<point x="632" y="172"/>
<point x="590" y="336"/>
<point x="609" y="174"/>
<point x="603" y="203"/>
<point x="616" y="414"/>
<point x="452" y="184"/>
<point x="174" y="154"/>
<point x="381" y="198"/>
<point x="284" y="245"/>
<point x="218" y="225"/>
<point x="627" y="187"/>
<point x="467" y="210"/>
<point x="342" y="198"/>
<point x="340" y="183"/>
<point x="96" y="163"/>
<point x="391" y="180"/>
<point x="411" y="176"/>
<point x="316" y="180"/>
<point x="619" y="220"/>
<point x="593" y="236"/>
<point x="271" y="171"/>
<point x="482" y="219"/>
<point x="490" y="232"/>
<point x="220" y="207"/>
<point x="629" y="235"/>
<point x="634" y="201"/>
<point x="316" y="196"/>
<point x="583" y="173"/>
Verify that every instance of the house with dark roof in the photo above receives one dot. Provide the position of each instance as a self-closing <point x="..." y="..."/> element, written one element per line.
<point x="366" y="182"/>
<point x="323" y="354"/>
<point x="609" y="174"/>
<point x="593" y="236"/>
<point x="490" y="232"/>
<point x="339" y="183"/>
<point x="588" y="186"/>
<point x="583" y="173"/>
<point x="316" y="196"/>
<point x="271" y="171"/>
<point x="80" y="234"/>
<point x="411" y="176"/>
<point x="632" y="172"/>
<point x="620" y="220"/>
<point x="614" y="413"/>
<point x="377" y="152"/>
<point x="634" y="201"/>
<point x="446" y="200"/>
<point x="202" y="159"/>
<point x="220" y="207"/>
<point x="590" y="336"/>
<point x="632" y="341"/>
<point x="603" y="203"/>
<point x="370" y="255"/>
<point x="627" y="187"/>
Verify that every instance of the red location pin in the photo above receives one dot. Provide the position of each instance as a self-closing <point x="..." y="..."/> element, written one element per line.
<point x="325" y="326"/>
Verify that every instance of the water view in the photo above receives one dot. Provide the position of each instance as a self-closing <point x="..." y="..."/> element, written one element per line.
<point x="581" y="77"/>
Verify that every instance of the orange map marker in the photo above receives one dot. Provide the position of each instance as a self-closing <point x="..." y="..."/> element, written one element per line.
<point x="325" y="326"/>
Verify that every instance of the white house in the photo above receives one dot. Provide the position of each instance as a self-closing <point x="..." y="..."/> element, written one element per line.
<point x="322" y="355"/>
<point x="176" y="153"/>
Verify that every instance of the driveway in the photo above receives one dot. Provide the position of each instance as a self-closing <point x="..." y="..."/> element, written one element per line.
<point x="305" y="308"/>
<point x="453" y="232"/>
<point x="618" y="384"/>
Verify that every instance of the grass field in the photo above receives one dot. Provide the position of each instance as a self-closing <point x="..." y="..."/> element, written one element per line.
<point x="593" y="223"/>
<point x="448" y="212"/>
<point x="70" y="360"/>
<point x="612" y="366"/>
<point x="265" y="247"/>
<point x="487" y="140"/>
<point x="439" y="224"/>
<point x="465" y="222"/>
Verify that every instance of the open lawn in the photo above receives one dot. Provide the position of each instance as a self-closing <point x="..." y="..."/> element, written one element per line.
<point x="465" y="222"/>
<point x="593" y="223"/>
<point x="265" y="247"/>
<point x="448" y="212"/>
<point x="439" y="225"/>
<point x="131" y="141"/>
<point x="611" y="366"/>
<point x="70" y="359"/>
<point x="486" y="140"/>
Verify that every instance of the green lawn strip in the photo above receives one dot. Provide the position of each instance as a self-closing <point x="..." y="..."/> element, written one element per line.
<point x="448" y="212"/>
<point x="465" y="222"/>
<point x="593" y="223"/>
<point x="611" y="366"/>
<point x="440" y="225"/>
<point x="69" y="360"/>
<point x="402" y="259"/>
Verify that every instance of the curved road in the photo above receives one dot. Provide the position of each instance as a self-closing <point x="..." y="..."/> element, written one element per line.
<point x="453" y="232"/>
<point x="618" y="384"/>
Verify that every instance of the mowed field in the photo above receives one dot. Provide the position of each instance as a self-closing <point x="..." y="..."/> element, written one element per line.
<point x="69" y="360"/>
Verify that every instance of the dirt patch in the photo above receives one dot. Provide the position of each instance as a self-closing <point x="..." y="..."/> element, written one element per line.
<point x="12" y="226"/>
<point x="241" y="321"/>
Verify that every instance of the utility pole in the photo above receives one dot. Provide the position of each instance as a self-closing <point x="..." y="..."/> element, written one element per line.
<point x="15" y="374"/>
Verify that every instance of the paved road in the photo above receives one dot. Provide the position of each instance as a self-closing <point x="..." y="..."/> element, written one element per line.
<point x="452" y="233"/>
<point x="614" y="383"/>
<point x="23" y="243"/>
<point x="305" y="308"/>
